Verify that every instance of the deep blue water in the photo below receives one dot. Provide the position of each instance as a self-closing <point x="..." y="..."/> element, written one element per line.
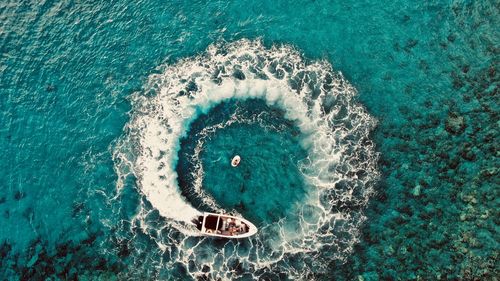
<point x="95" y="107"/>
<point x="260" y="188"/>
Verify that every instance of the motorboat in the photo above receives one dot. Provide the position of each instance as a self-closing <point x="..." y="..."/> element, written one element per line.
<point x="224" y="226"/>
<point x="236" y="161"/>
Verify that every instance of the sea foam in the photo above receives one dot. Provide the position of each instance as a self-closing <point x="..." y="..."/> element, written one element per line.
<point x="340" y="169"/>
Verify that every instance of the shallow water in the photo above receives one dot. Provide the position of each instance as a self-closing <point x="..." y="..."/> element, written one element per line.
<point x="96" y="136"/>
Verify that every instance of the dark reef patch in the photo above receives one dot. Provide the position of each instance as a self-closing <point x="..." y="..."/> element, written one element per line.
<point x="69" y="260"/>
<point x="18" y="195"/>
<point x="435" y="216"/>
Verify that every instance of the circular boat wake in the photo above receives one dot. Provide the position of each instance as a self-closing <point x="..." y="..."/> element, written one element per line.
<point x="337" y="170"/>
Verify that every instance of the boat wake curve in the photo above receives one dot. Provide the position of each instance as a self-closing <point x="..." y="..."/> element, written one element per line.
<point x="340" y="169"/>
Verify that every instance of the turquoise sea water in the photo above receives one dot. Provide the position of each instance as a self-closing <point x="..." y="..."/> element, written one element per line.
<point x="102" y="109"/>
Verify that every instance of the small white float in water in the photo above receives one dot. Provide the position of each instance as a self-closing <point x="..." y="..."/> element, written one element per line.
<point x="236" y="161"/>
<point x="224" y="226"/>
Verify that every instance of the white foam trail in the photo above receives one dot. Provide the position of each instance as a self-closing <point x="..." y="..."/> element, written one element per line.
<point x="335" y="134"/>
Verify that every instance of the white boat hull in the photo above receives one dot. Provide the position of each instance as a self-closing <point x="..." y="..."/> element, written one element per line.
<point x="224" y="226"/>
